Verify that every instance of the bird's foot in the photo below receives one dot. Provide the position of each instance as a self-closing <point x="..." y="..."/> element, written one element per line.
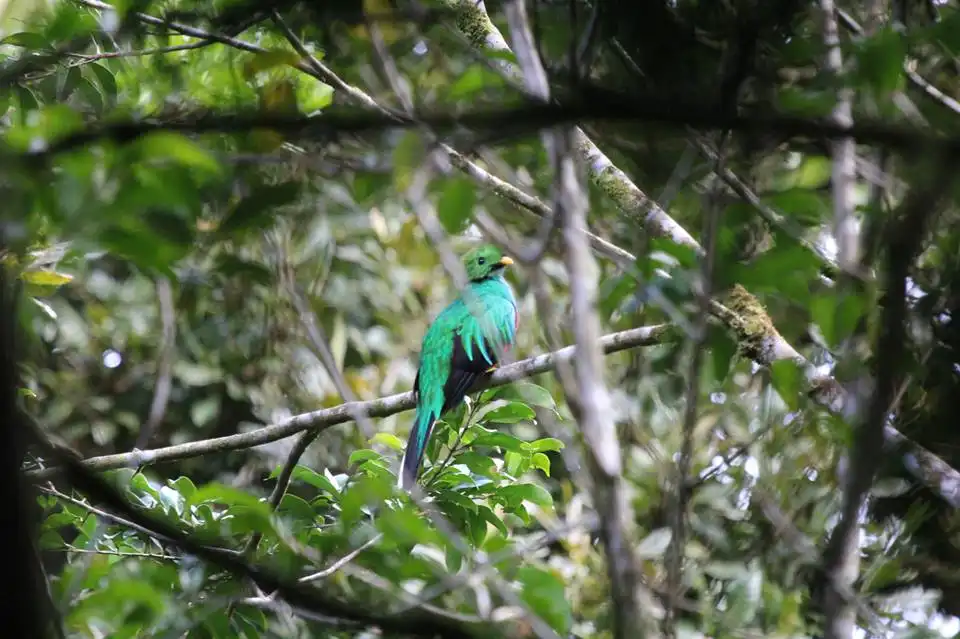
<point x="492" y="368"/>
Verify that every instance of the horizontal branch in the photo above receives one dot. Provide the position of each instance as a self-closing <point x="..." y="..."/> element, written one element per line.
<point x="593" y="104"/>
<point x="383" y="407"/>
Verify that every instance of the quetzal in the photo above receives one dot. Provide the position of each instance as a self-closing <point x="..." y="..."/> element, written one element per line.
<point x="463" y="344"/>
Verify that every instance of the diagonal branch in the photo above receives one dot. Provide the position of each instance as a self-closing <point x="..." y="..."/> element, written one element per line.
<point x="746" y="318"/>
<point x="473" y="21"/>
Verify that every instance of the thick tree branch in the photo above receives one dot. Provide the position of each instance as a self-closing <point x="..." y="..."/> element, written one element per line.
<point x="473" y="21"/>
<point x="845" y="224"/>
<point x="753" y="329"/>
<point x="594" y="104"/>
<point x="747" y="319"/>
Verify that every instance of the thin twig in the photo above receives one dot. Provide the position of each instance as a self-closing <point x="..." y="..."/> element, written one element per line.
<point x="343" y="561"/>
<point x="909" y="67"/>
<point x="692" y="396"/>
<point x="296" y="594"/>
<point x="168" y="345"/>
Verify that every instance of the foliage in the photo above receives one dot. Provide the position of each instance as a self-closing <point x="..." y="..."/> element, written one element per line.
<point x="238" y="220"/>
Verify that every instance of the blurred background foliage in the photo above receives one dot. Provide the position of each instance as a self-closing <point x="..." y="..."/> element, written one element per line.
<point x="162" y="258"/>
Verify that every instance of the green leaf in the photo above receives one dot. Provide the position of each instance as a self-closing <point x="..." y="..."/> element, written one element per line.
<point x="408" y="156"/>
<point x="268" y="60"/>
<point x="204" y="411"/>
<point x="477" y="526"/>
<point x="26" y="102"/>
<point x="504" y="412"/>
<point x="545" y="594"/>
<point x="50" y="279"/>
<point x="296" y="508"/>
<point x="105" y="80"/>
<point x="32" y="41"/>
<point x="787" y="270"/>
<point x="91" y="94"/>
<point x="544" y="445"/>
<point x="787" y="377"/>
<point x="727" y="570"/>
<point x="823" y="311"/>
<point x="363" y="492"/>
<point x="455" y="207"/>
<point x="722" y="351"/>
<point x="500" y="440"/>
<point x="164" y="144"/>
<point x="406" y="526"/>
<point x="804" y="206"/>
<point x="489" y="516"/>
<point x="880" y="61"/>
<point x="257" y="210"/>
<point x="525" y="492"/>
<point x="541" y="462"/>
<point x="363" y="455"/>
<point x="235" y="499"/>
<point x="477" y="463"/>
<point x="387" y="439"/>
<point x="848" y="315"/>
<point x="472" y="81"/>
<point x="457" y="499"/>
<point x="655" y="544"/>
<point x="516" y="463"/>
<point x="313" y="95"/>
<point x="886" y="573"/>
<point x="454" y="558"/>
<point x="250" y="272"/>
<point x="183" y="485"/>
<point x="69" y="83"/>
<point x="813" y="173"/>
<point x="528" y="393"/>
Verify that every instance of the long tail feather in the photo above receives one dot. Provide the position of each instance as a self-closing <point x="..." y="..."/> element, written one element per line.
<point x="416" y="446"/>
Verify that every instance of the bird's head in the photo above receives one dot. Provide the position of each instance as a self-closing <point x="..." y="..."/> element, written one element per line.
<point x="485" y="261"/>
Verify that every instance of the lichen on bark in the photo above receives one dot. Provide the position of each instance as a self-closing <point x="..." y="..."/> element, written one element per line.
<point x="751" y="324"/>
<point x="473" y="21"/>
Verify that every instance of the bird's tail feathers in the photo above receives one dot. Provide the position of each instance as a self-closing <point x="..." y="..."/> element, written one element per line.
<point x="416" y="446"/>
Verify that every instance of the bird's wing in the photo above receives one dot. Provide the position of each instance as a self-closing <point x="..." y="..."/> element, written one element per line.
<point x="477" y="347"/>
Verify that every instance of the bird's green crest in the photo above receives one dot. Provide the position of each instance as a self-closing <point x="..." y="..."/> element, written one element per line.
<point x="484" y="261"/>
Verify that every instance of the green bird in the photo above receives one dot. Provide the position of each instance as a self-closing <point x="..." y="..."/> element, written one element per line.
<point x="462" y="345"/>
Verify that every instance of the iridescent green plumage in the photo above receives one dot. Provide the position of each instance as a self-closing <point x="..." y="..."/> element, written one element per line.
<point x="463" y="344"/>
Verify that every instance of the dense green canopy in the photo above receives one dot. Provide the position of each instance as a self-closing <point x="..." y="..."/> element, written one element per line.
<point x="232" y="222"/>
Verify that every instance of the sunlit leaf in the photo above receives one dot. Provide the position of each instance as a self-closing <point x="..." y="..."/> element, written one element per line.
<point x="546" y="596"/>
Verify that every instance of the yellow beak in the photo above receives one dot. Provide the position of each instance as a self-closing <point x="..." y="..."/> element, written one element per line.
<point x="506" y="260"/>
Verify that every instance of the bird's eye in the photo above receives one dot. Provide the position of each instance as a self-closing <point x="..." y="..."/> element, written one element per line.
<point x="481" y="261"/>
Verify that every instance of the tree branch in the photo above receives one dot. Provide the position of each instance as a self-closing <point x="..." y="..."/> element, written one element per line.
<point x="845" y="224"/>
<point x="296" y="594"/>
<point x="587" y="393"/>
<point x="383" y="407"/>
<point x="841" y="557"/>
